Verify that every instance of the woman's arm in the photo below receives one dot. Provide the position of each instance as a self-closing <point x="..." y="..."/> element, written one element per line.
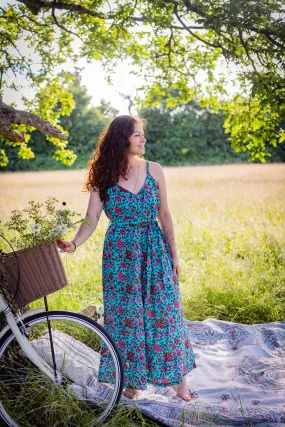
<point x="164" y="215"/>
<point x="93" y="213"/>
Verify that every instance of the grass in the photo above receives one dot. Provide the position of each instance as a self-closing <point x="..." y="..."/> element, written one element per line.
<point x="228" y="223"/>
<point x="229" y="227"/>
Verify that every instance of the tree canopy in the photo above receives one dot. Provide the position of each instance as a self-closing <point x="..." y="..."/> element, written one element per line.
<point x="183" y="135"/>
<point x="175" y="45"/>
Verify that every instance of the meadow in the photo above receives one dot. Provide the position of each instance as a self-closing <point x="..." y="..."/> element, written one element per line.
<point x="229" y="228"/>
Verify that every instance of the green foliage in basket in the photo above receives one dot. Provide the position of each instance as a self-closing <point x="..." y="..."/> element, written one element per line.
<point x="41" y="222"/>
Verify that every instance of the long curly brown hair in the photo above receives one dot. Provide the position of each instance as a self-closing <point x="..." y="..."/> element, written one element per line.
<point x="111" y="155"/>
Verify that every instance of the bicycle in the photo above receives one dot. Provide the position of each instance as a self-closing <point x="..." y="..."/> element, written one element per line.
<point x="49" y="364"/>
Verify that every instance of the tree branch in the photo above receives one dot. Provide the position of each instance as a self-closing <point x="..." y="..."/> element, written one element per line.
<point x="62" y="27"/>
<point x="268" y="36"/>
<point x="10" y="115"/>
<point x="36" y="5"/>
<point x="246" y="50"/>
<point x="8" y="38"/>
<point x="195" y="35"/>
<point x="267" y="32"/>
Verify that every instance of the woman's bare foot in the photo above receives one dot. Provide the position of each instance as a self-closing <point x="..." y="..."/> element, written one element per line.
<point x="181" y="390"/>
<point x="131" y="392"/>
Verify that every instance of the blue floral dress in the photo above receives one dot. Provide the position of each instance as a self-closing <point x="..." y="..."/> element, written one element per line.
<point x="142" y="304"/>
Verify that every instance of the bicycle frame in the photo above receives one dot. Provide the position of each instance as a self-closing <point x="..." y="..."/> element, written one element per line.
<point x="24" y="342"/>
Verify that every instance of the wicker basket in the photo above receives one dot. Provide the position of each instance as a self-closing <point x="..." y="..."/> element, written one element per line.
<point x="41" y="272"/>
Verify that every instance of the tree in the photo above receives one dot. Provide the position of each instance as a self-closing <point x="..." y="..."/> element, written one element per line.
<point x="178" y="40"/>
<point x="84" y="125"/>
<point x="187" y="135"/>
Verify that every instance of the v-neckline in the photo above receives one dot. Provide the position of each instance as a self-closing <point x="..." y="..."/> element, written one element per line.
<point x="134" y="194"/>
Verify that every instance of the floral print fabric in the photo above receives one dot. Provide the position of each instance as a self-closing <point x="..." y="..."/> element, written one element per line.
<point x="143" y="312"/>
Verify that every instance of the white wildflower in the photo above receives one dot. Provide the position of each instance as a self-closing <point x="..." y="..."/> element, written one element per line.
<point x="53" y="231"/>
<point x="36" y="227"/>
<point x="63" y="228"/>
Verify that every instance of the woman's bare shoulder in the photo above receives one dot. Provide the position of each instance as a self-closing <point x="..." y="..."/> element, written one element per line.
<point x="155" y="169"/>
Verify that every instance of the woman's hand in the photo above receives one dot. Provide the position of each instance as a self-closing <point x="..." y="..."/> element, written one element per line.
<point x="65" y="245"/>
<point x="175" y="264"/>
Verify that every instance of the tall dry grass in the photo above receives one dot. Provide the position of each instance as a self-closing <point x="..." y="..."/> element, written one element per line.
<point x="229" y="227"/>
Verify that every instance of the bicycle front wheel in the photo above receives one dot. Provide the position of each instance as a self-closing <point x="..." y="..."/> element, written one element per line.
<point x="29" y="398"/>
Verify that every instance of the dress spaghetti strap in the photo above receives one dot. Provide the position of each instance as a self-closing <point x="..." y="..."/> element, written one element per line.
<point x="147" y="167"/>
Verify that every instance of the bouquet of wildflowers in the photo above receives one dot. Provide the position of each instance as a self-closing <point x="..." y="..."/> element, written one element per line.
<point x="41" y="222"/>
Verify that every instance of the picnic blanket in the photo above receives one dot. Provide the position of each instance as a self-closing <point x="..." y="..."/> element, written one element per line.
<point x="239" y="379"/>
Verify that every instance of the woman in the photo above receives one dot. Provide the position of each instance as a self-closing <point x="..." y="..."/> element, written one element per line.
<point x="140" y="270"/>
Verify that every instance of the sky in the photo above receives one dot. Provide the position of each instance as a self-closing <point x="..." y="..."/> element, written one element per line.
<point x="92" y="76"/>
<point x="97" y="87"/>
